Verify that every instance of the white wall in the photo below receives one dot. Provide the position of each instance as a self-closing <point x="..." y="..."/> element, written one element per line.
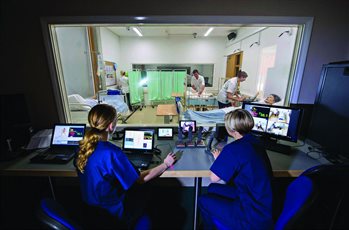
<point x="110" y="47"/>
<point x="268" y="63"/>
<point x="174" y="50"/>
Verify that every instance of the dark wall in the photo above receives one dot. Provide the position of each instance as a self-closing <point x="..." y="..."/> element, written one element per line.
<point x="25" y="68"/>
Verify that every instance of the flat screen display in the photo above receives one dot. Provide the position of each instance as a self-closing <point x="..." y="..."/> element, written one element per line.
<point x="275" y="121"/>
<point x="67" y="134"/>
<point x="138" y="139"/>
<point x="165" y="133"/>
<point x="186" y="125"/>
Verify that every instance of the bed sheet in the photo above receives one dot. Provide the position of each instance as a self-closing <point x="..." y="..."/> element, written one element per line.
<point x="211" y="116"/>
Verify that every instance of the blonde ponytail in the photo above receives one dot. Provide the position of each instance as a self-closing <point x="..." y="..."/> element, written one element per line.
<point x="99" y="118"/>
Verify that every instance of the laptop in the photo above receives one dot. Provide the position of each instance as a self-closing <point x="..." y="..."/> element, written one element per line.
<point x="138" y="145"/>
<point x="64" y="144"/>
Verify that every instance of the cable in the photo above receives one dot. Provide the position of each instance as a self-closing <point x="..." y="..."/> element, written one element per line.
<point x="158" y="156"/>
<point x="171" y="148"/>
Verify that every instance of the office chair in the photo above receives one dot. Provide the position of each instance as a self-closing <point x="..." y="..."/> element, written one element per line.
<point x="300" y="195"/>
<point x="325" y="207"/>
<point x="332" y="204"/>
<point x="53" y="216"/>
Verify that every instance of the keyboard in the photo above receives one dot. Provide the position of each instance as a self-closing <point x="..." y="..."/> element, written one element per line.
<point x="141" y="161"/>
<point x="50" y="157"/>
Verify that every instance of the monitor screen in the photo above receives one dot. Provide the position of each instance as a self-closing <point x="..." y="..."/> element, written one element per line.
<point x="165" y="133"/>
<point x="275" y="121"/>
<point x="138" y="139"/>
<point x="186" y="125"/>
<point x="67" y="134"/>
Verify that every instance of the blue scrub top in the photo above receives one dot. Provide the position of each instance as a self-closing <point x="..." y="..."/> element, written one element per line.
<point x="107" y="176"/>
<point x="245" y="167"/>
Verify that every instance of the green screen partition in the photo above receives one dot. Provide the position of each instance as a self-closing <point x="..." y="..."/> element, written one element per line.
<point x="136" y="90"/>
<point x="161" y="84"/>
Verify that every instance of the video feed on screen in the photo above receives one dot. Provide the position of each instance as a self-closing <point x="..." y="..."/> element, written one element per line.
<point x="187" y="125"/>
<point x="68" y="134"/>
<point x="165" y="133"/>
<point x="138" y="139"/>
<point x="270" y="120"/>
<point x="279" y="121"/>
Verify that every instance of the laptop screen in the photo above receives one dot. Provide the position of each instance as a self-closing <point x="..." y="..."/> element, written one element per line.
<point x="138" y="139"/>
<point x="67" y="134"/>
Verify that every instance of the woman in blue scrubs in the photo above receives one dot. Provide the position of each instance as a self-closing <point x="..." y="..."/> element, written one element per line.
<point x="106" y="175"/>
<point x="240" y="196"/>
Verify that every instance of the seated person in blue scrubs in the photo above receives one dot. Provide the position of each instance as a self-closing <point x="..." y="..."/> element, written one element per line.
<point x="106" y="175"/>
<point x="243" y="198"/>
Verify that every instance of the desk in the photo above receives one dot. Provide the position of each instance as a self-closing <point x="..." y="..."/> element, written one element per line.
<point x="166" y="110"/>
<point x="193" y="163"/>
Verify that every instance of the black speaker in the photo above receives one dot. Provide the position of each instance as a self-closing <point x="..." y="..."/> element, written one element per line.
<point x="231" y="36"/>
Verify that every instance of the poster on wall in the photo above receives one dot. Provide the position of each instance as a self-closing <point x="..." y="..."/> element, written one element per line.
<point x="110" y="73"/>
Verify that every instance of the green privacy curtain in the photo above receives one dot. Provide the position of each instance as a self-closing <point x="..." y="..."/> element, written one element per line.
<point x="179" y="80"/>
<point x="161" y="84"/>
<point x="154" y="85"/>
<point x="136" y="90"/>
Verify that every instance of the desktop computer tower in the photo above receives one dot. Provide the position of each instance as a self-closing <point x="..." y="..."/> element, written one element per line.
<point x="15" y="125"/>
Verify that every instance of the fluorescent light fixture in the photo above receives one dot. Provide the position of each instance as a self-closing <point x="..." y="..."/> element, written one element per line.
<point x="208" y="31"/>
<point x="137" y="31"/>
<point x="140" y="18"/>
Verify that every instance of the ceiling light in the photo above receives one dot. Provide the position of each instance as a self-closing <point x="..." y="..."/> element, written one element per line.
<point x="137" y="31"/>
<point x="140" y="18"/>
<point x="208" y="31"/>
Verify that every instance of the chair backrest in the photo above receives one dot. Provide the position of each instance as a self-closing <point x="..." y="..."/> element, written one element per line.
<point x="328" y="212"/>
<point x="300" y="195"/>
<point x="53" y="215"/>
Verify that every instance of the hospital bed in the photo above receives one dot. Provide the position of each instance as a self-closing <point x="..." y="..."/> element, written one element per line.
<point x="115" y="99"/>
<point x="79" y="107"/>
<point x="206" y="100"/>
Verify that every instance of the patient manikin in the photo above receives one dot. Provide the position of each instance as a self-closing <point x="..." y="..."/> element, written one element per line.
<point x="217" y="115"/>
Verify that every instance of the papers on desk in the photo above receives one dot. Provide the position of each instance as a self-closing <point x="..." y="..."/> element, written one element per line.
<point x="41" y="139"/>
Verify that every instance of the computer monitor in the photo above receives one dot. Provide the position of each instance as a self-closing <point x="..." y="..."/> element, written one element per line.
<point x="277" y="122"/>
<point x="67" y="134"/>
<point x="165" y="133"/>
<point x="186" y="125"/>
<point x="138" y="139"/>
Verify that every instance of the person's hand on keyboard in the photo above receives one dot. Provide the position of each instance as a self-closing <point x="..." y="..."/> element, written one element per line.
<point x="170" y="159"/>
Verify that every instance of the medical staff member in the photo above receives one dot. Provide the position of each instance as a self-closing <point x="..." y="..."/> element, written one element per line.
<point x="228" y="95"/>
<point x="197" y="82"/>
<point x="125" y="88"/>
<point x="105" y="173"/>
<point x="244" y="200"/>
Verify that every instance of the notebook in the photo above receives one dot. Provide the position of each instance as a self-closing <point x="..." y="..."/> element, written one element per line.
<point x="138" y="145"/>
<point x="64" y="144"/>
